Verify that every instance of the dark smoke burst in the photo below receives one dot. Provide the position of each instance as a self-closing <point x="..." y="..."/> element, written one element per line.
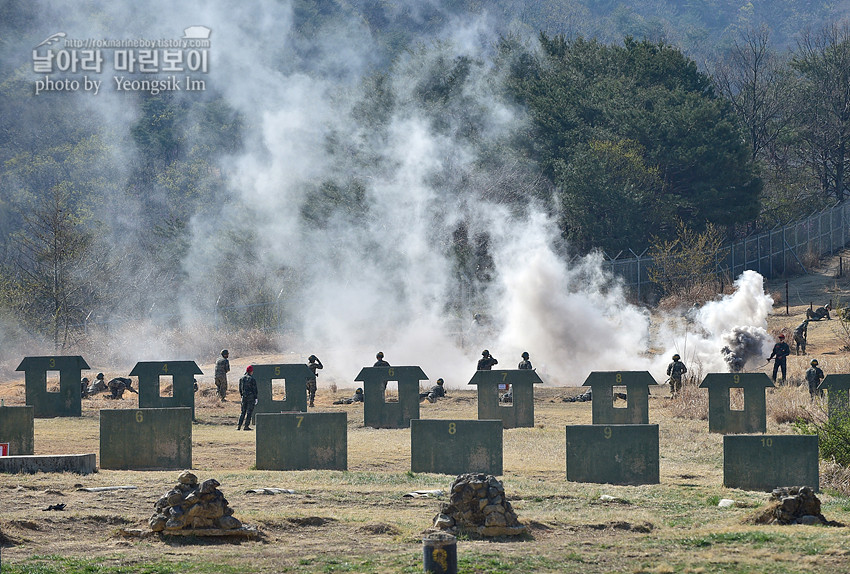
<point x="741" y="345"/>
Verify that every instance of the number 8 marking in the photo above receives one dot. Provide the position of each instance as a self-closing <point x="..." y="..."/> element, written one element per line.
<point x="452" y="428"/>
<point x="619" y="378"/>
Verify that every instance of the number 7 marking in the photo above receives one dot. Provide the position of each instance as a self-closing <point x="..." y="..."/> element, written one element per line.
<point x="299" y="422"/>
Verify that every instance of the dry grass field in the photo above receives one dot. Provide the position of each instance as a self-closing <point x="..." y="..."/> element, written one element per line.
<point x="358" y="520"/>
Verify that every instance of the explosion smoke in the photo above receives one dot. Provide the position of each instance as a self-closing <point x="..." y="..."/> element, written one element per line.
<point x="742" y="345"/>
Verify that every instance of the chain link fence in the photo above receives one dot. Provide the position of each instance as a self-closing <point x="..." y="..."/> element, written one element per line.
<point x="780" y="252"/>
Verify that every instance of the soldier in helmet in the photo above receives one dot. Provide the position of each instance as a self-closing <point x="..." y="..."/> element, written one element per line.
<point x="487" y="361"/>
<point x="222" y="367"/>
<point x="434" y="392"/>
<point x="525" y="363"/>
<point x="380" y="360"/>
<point x="675" y="370"/>
<point x="780" y="352"/>
<point x="84" y="388"/>
<point x="801" y="333"/>
<point x="315" y="364"/>
<point x="98" y="385"/>
<point x="357" y="398"/>
<point x="118" y="385"/>
<point x="248" y="392"/>
<point x="819" y="313"/>
<point x="814" y="375"/>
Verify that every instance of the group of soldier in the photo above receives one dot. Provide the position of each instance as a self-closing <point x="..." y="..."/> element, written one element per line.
<point x="116" y="387"/>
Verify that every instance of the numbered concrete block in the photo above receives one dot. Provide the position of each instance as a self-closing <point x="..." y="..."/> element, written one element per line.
<point x="837" y="389"/>
<point x="721" y="417"/>
<point x="67" y="402"/>
<point x="377" y="412"/>
<point x="182" y="375"/>
<point x="636" y="411"/>
<point x="295" y="384"/>
<point x="17" y="429"/>
<point x="146" y="439"/>
<point x="765" y="462"/>
<point x="302" y="441"/>
<point x="520" y="412"/>
<point x="613" y="454"/>
<point x="456" y="446"/>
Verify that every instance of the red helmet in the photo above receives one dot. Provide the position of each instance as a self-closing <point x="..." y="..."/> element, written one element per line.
<point x="250" y="369"/>
<point x="781" y="336"/>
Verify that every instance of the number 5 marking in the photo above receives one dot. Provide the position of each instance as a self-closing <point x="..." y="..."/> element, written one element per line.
<point x="277" y="371"/>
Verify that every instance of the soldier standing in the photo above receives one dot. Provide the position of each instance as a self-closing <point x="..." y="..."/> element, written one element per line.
<point x="781" y="350"/>
<point x="314" y="364"/>
<point x="801" y="333"/>
<point x="487" y="361"/>
<point x="222" y="367"/>
<point x="525" y="363"/>
<point x="248" y="392"/>
<point x="675" y="370"/>
<point x="380" y="362"/>
<point x="814" y="375"/>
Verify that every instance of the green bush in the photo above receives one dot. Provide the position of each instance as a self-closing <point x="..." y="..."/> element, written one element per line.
<point x="833" y="437"/>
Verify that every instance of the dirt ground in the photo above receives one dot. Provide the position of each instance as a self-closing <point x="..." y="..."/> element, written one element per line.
<point x="359" y="521"/>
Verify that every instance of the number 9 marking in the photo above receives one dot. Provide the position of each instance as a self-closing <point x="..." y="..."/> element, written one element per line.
<point x="452" y="428"/>
<point x="140" y="417"/>
<point x="607" y="432"/>
<point x="619" y="378"/>
<point x="737" y="379"/>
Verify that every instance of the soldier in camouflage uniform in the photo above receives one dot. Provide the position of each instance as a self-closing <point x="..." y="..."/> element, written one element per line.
<point x="801" y="333"/>
<point x="487" y="361"/>
<point x="98" y="385"/>
<point x="380" y="362"/>
<point x="814" y="375"/>
<point x="222" y="367"/>
<point x="434" y="392"/>
<point x="314" y="364"/>
<point x="118" y="385"/>
<point x="675" y="370"/>
<point x="248" y="392"/>
<point x="357" y="398"/>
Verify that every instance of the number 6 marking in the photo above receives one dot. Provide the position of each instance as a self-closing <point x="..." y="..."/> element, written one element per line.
<point x="452" y="428"/>
<point x="391" y="372"/>
<point x="299" y="422"/>
<point x="607" y="432"/>
<point x="139" y="416"/>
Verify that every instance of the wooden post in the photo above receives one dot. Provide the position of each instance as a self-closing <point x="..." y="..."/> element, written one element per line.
<point x="786" y="298"/>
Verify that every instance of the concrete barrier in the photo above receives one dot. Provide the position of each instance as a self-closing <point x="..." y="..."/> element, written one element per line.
<point x="146" y="439"/>
<point x="520" y="412"/>
<point x="613" y="454"/>
<point x="78" y="463"/>
<point x="17" y="429"/>
<point x="456" y="446"/>
<point x="67" y="401"/>
<point x="302" y="441"/>
<point x="721" y="417"/>
<point x="764" y="462"/>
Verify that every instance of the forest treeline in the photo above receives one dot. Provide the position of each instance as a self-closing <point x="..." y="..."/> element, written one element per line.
<point x="621" y="142"/>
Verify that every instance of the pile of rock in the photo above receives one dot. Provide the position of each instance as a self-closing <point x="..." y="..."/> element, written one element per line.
<point x="190" y="506"/>
<point x="477" y="505"/>
<point x="792" y="505"/>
